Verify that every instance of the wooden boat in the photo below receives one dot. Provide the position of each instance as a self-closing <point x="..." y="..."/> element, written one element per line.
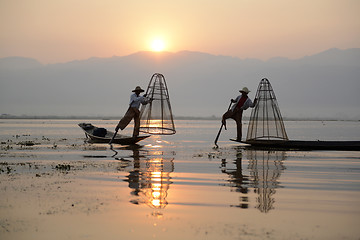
<point x="304" y="145"/>
<point x="266" y="128"/>
<point x="101" y="135"/>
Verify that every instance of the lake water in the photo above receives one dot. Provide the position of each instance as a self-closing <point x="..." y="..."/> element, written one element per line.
<point x="55" y="186"/>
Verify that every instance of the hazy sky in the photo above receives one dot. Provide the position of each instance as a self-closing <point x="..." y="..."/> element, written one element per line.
<point x="64" y="30"/>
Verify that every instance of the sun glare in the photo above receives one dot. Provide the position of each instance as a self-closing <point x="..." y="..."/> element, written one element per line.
<point x="157" y="45"/>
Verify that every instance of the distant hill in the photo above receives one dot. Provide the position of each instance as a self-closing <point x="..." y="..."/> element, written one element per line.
<point x="18" y="63"/>
<point x="326" y="84"/>
<point x="334" y="57"/>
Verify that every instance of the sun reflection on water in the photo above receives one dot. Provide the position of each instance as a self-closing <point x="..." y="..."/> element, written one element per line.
<point x="157" y="126"/>
<point x="150" y="180"/>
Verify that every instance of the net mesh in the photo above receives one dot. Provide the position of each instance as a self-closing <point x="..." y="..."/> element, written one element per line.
<point x="266" y="122"/>
<point x="156" y="117"/>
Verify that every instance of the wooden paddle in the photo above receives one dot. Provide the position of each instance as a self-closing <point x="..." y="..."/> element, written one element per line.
<point x="218" y="135"/>
<point x="112" y="139"/>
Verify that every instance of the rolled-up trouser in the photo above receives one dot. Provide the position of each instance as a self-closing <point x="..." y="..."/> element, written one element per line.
<point x="237" y="116"/>
<point x="131" y="113"/>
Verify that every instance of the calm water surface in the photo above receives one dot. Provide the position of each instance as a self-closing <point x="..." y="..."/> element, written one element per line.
<point x="176" y="187"/>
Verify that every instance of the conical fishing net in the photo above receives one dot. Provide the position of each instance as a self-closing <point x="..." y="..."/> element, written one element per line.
<point x="156" y="117"/>
<point x="266" y="122"/>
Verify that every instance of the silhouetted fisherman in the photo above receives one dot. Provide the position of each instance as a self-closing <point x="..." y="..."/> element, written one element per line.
<point x="242" y="102"/>
<point x="133" y="111"/>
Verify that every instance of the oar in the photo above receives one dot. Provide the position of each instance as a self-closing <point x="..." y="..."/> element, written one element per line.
<point x="112" y="139"/>
<point x="218" y="135"/>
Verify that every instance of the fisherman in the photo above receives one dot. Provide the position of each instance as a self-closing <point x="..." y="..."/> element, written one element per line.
<point x="242" y="102"/>
<point x="133" y="111"/>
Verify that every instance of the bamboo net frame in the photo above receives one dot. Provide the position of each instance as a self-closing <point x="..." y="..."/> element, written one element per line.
<point x="156" y="116"/>
<point x="266" y="122"/>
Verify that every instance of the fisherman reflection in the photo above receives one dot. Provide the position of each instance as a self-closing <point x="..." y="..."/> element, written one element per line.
<point x="133" y="177"/>
<point x="237" y="181"/>
<point x="265" y="169"/>
<point x="124" y="162"/>
<point x="150" y="180"/>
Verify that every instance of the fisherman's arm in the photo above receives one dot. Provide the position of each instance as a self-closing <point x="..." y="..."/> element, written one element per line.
<point x="248" y="104"/>
<point x="253" y="104"/>
<point x="135" y="98"/>
<point x="236" y="99"/>
<point x="145" y="100"/>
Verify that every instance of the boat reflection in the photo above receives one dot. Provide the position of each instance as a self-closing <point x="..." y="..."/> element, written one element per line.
<point x="150" y="180"/>
<point x="264" y="170"/>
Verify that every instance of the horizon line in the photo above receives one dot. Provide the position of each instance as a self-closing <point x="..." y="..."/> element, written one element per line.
<point x="169" y="52"/>
<point x="212" y="117"/>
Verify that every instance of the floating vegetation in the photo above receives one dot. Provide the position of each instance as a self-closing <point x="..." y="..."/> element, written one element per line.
<point x="8" y="170"/>
<point x="45" y="138"/>
<point x="214" y="155"/>
<point x="27" y="143"/>
<point x="198" y="155"/>
<point x="63" y="167"/>
<point x="7" y="147"/>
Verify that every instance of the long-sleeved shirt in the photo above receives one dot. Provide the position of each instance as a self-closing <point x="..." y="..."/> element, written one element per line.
<point x="248" y="103"/>
<point x="136" y="100"/>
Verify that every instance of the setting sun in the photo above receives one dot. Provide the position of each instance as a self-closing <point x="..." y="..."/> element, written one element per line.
<point x="157" y="45"/>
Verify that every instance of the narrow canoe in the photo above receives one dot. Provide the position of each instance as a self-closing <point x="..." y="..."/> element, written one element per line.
<point x="304" y="145"/>
<point x="90" y="132"/>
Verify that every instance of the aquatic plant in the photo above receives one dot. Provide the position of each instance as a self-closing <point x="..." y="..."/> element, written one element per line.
<point x="27" y="143"/>
<point x="63" y="167"/>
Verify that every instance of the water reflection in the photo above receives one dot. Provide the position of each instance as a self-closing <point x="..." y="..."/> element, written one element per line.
<point x="265" y="168"/>
<point x="237" y="181"/>
<point x="150" y="179"/>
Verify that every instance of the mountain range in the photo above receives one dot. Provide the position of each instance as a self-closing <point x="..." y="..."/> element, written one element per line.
<point x="323" y="85"/>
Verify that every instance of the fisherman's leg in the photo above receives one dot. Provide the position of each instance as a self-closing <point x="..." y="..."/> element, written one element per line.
<point x="125" y="120"/>
<point x="136" y="123"/>
<point x="226" y="115"/>
<point x="238" y="130"/>
<point x="238" y="118"/>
